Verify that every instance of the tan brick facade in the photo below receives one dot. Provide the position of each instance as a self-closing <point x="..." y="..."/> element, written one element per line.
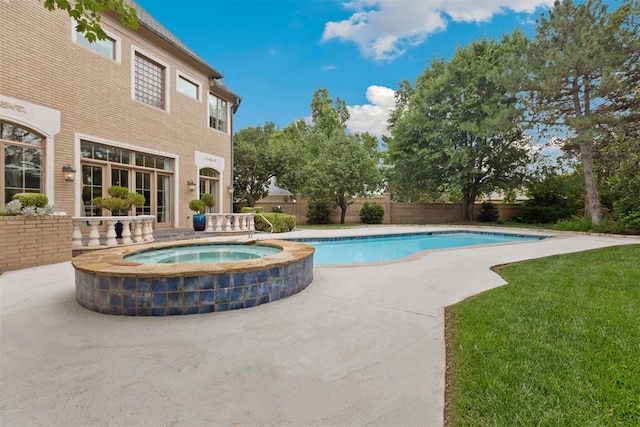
<point x="43" y="66"/>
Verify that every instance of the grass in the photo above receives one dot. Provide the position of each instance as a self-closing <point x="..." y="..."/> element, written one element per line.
<point x="558" y="346"/>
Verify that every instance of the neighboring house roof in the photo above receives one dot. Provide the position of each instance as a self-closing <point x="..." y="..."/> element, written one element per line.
<point x="274" y="190"/>
<point x="151" y="24"/>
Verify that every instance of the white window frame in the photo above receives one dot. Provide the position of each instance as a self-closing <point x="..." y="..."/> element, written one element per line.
<point x="117" y="51"/>
<point x="183" y="76"/>
<point x="226" y="131"/>
<point x="166" y="75"/>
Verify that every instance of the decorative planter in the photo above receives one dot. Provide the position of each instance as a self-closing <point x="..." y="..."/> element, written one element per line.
<point x="199" y="222"/>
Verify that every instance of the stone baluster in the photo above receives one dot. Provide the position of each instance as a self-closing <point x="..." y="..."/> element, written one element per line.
<point x="137" y="230"/>
<point x="147" y="230"/>
<point x="219" y="219"/>
<point x="76" y="237"/>
<point x="236" y="224"/>
<point x="94" y="233"/>
<point x="243" y="223"/>
<point x="228" y="224"/>
<point x="126" y="231"/>
<point x="111" y="232"/>
<point x="209" y="228"/>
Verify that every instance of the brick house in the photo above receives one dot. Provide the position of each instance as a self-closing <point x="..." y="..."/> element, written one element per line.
<point x="138" y="109"/>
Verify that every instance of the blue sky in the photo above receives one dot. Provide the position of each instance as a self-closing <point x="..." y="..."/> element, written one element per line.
<point x="276" y="53"/>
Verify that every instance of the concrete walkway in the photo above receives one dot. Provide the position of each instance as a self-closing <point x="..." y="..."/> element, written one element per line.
<point x="359" y="346"/>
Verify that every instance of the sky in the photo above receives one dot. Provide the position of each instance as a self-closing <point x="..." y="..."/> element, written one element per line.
<point x="275" y="53"/>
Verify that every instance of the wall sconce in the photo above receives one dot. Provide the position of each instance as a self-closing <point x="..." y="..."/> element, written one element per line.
<point x="230" y="189"/>
<point x="192" y="185"/>
<point x="69" y="173"/>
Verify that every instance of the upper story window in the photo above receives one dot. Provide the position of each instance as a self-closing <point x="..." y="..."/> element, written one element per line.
<point x="148" y="81"/>
<point x="106" y="47"/>
<point x="187" y="87"/>
<point x="217" y="113"/>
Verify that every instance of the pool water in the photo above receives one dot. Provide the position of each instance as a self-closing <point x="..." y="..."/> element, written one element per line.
<point x="202" y="254"/>
<point x="355" y="250"/>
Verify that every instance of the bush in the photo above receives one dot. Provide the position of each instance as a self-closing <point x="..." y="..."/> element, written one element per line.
<point x="281" y="222"/>
<point x="318" y="212"/>
<point x="35" y="200"/>
<point x="255" y="209"/>
<point x="276" y="209"/>
<point x="630" y="223"/>
<point x="554" y="198"/>
<point x="197" y="206"/>
<point x="371" y="213"/>
<point x="209" y="201"/>
<point x="489" y="212"/>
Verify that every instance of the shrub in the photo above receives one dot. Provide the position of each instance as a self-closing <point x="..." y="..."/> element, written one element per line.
<point x="209" y="201"/>
<point x="254" y="209"/>
<point x="16" y="207"/>
<point x="371" y="213"/>
<point x="197" y="206"/>
<point x="630" y="223"/>
<point x="318" y="211"/>
<point x="489" y="212"/>
<point x="276" y="209"/>
<point x="120" y="201"/>
<point x="281" y="222"/>
<point x="35" y="200"/>
<point x="552" y="199"/>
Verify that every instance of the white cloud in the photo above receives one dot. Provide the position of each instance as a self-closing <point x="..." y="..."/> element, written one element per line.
<point x="328" y="67"/>
<point x="372" y="117"/>
<point x="384" y="29"/>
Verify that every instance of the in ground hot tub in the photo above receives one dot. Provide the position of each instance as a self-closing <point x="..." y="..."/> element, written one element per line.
<point x="191" y="276"/>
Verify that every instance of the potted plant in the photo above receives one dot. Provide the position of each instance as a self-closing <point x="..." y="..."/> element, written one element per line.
<point x="209" y="201"/>
<point x="119" y="203"/>
<point x="199" y="220"/>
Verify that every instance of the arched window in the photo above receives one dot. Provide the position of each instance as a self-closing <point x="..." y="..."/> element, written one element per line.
<point x="21" y="162"/>
<point x="209" y="181"/>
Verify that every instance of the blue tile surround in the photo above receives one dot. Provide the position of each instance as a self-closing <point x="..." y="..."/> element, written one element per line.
<point x="199" y="292"/>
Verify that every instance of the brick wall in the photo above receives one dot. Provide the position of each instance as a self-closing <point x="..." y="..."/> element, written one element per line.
<point x="32" y="241"/>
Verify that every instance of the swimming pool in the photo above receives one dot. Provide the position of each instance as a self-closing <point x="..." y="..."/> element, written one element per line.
<point x="201" y="253"/>
<point x="369" y="249"/>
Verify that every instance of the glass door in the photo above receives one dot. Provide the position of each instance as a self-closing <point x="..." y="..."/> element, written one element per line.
<point x="143" y="186"/>
<point x="92" y="186"/>
<point x="163" y="197"/>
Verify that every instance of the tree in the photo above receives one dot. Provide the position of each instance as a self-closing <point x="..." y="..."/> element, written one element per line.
<point x="253" y="164"/>
<point x="458" y="133"/>
<point x="328" y="116"/>
<point x="87" y="14"/>
<point x="582" y="66"/>
<point x="342" y="169"/>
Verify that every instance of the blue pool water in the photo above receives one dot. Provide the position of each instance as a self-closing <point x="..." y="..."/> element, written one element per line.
<point x="355" y="250"/>
<point x="202" y="253"/>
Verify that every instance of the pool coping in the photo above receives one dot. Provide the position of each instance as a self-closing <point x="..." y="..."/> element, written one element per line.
<point x="111" y="261"/>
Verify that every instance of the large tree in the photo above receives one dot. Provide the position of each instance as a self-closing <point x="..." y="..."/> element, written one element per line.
<point x="254" y="163"/>
<point x="458" y="131"/>
<point x="581" y="70"/>
<point x="87" y="14"/>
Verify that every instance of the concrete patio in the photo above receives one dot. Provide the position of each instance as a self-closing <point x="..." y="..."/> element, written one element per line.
<point x="362" y="345"/>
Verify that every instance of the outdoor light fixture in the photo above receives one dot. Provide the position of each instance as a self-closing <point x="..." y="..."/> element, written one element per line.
<point x="230" y="189"/>
<point x="192" y="185"/>
<point x="69" y="173"/>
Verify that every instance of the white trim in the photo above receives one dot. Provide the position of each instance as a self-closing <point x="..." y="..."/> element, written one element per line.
<point x="77" y="137"/>
<point x="179" y="75"/>
<point x="207" y="160"/>
<point x="117" y="48"/>
<point x="166" y="75"/>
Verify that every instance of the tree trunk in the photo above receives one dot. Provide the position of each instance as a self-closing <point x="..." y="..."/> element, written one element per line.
<point x="591" y="198"/>
<point x="468" y="201"/>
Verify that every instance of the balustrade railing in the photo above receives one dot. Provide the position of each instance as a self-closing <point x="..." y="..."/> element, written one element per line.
<point x="230" y="222"/>
<point x="135" y="229"/>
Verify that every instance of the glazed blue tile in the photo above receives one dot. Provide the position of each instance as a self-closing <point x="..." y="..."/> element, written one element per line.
<point x="250" y="303"/>
<point x="143" y="299"/>
<point x="143" y="285"/>
<point x="191" y="283"/>
<point x="206" y="297"/>
<point x="221" y="307"/>
<point x="158" y="311"/>
<point x="251" y="277"/>
<point x="274" y="297"/>
<point x="222" y="295"/>
<point x="263" y="299"/>
<point x="158" y="285"/>
<point x="236" y="305"/>
<point x="274" y="287"/>
<point x="159" y="300"/>
<point x="250" y="291"/>
<point x="103" y="298"/>
<point x="105" y="283"/>
<point x="129" y="300"/>
<point x="174" y="284"/>
<point x="115" y="299"/>
<point x="237" y="279"/>
<point x="191" y="310"/>
<point x="144" y="311"/>
<point x="263" y="276"/>
<point x="174" y="299"/>
<point x="222" y="281"/>
<point x="236" y="294"/>
<point x="206" y="282"/>
<point x="274" y="272"/>
<point x="206" y="308"/>
<point x="129" y="311"/>
<point x="115" y="310"/>
<point x="172" y="311"/>
<point x="190" y="299"/>
<point x="263" y="289"/>
<point x="129" y="284"/>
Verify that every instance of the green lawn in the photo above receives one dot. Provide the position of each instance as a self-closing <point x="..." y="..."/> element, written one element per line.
<point x="558" y="346"/>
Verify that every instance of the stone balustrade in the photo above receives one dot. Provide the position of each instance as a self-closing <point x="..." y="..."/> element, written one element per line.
<point x="135" y="229"/>
<point x="230" y="223"/>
